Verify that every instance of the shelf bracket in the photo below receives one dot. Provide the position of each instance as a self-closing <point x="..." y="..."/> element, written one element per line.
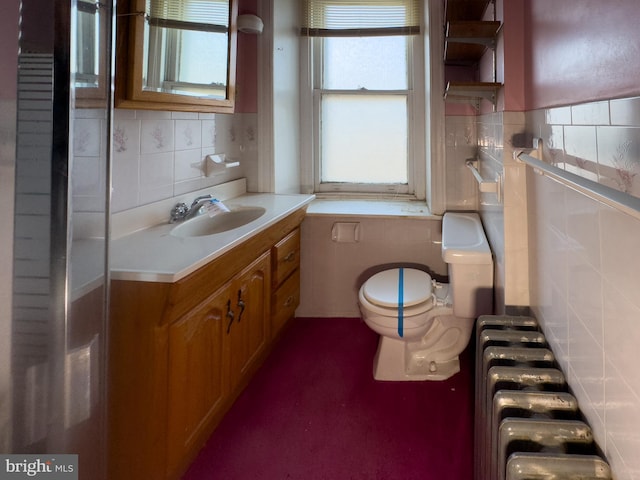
<point x="472" y="92"/>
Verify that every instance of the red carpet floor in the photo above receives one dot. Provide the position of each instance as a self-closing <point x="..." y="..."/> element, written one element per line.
<point x="314" y="412"/>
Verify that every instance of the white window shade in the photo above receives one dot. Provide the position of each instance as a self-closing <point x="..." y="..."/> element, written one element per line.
<point x="203" y="15"/>
<point x="326" y="18"/>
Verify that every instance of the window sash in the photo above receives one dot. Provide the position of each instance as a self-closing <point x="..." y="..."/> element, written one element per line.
<point x="323" y="18"/>
<point x="361" y="188"/>
<point x="382" y="67"/>
<point x="376" y="156"/>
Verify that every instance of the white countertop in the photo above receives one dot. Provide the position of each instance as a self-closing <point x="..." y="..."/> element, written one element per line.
<point x="154" y="255"/>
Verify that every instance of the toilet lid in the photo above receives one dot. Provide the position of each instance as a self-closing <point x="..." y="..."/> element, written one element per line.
<point x="383" y="288"/>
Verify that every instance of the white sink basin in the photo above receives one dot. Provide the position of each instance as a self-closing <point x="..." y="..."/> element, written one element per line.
<point x="206" y="225"/>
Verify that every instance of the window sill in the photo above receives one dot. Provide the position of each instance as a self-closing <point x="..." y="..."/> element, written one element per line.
<point x="370" y="208"/>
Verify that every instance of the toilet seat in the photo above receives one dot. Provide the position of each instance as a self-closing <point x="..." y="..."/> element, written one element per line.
<point x="381" y="292"/>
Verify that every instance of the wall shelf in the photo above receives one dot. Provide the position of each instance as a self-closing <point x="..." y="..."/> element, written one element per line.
<point x="472" y="92"/>
<point x="465" y="9"/>
<point x="471" y="30"/>
<point x="466" y="41"/>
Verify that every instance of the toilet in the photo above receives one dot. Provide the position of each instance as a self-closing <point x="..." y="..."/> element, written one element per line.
<point x="424" y="325"/>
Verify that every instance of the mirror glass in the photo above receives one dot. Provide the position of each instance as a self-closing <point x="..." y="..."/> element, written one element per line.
<point x="186" y="47"/>
<point x="90" y="64"/>
<point x="88" y="41"/>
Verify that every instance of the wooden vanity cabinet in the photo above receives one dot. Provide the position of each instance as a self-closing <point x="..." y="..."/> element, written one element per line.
<point x="248" y="333"/>
<point x="213" y="350"/>
<point x="286" y="280"/>
<point x="180" y="353"/>
<point x="195" y="376"/>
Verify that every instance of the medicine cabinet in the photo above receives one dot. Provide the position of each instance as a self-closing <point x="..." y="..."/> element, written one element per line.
<point x="177" y="55"/>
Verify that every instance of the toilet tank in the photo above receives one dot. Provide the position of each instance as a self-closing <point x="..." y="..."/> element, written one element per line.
<point x="466" y="251"/>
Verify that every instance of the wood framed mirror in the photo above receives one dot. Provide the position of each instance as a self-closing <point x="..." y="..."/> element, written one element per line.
<point x="176" y="55"/>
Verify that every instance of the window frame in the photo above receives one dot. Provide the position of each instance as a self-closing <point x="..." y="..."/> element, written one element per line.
<point x="311" y="57"/>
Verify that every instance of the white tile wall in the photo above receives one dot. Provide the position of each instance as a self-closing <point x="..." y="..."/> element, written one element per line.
<point x="593" y="113"/>
<point x="158" y="155"/>
<point x="582" y="256"/>
<point x="498" y="134"/>
<point x="87" y="167"/>
<point x="461" y="144"/>
<point x="584" y="286"/>
<point x="584" y="264"/>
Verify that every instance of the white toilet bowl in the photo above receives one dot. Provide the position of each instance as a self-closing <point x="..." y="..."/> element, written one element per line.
<point x="425" y="341"/>
<point x="425" y="325"/>
<point x="378" y="298"/>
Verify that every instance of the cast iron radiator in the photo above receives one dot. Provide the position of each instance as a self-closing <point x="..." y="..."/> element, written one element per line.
<point x="527" y="424"/>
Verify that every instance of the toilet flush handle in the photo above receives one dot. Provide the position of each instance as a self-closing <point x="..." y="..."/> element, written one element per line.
<point x="434" y="297"/>
<point x="437" y="301"/>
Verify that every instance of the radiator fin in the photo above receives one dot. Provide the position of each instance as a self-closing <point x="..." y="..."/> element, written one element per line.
<point x="528" y="425"/>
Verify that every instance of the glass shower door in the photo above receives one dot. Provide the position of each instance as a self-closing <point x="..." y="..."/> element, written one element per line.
<point x="60" y="254"/>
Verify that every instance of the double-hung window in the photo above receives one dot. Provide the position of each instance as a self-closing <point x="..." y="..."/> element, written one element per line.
<point x="360" y="94"/>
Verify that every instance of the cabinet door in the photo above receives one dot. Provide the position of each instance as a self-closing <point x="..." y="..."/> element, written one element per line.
<point x="249" y="332"/>
<point x="196" y="382"/>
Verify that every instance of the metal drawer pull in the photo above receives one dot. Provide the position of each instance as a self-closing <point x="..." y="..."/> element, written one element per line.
<point x="241" y="305"/>
<point x="230" y="315"/>
<point x="290" y="256"/>
<point x="289" y="301"/>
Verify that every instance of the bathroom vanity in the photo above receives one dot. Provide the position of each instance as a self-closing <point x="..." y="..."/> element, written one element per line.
<point x="187" y="334"/>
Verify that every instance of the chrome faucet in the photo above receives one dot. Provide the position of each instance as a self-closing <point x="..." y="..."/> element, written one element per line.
<point x="181" y="211"/>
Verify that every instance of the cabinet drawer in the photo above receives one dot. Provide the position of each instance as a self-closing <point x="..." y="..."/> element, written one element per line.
<point x="285" y="301"/>
<point x="286" y="257"/>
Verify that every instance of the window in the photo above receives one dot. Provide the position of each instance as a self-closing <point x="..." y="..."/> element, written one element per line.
<point x="360" y="95"/>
